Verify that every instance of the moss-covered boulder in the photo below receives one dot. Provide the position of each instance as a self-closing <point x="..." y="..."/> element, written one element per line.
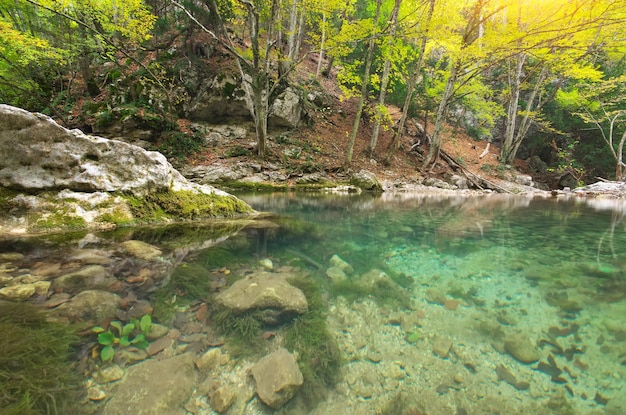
<point x="52" y="179"/>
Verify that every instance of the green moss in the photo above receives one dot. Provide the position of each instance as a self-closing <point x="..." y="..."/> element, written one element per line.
<point x="185" y="205"/>
<point x="254" y="186"/>
<point x="35" y="372"/>
<point x="59" y="220"/>
<point x="117" y="216"/>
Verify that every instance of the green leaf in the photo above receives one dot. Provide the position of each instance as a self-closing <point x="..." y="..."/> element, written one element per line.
<point x="118" y="326"/>
<point x="106" y="339"/>
<point x="97" y="329"/>
<point x="107" y="353"/>
<point x="140" y="341"/>
<point x="124" y="342"/>
<point x="146" y="324"/>
<point x="128" y="329"/>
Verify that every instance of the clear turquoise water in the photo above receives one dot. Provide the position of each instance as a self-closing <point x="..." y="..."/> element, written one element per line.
<point x="550" y="271"/>
<point x="440" y="285"/>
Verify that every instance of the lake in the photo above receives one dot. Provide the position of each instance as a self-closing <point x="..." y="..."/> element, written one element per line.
<point x="414" y="304"/>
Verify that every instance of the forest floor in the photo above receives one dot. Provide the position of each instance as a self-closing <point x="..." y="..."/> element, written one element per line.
<point x="324" y="140"/>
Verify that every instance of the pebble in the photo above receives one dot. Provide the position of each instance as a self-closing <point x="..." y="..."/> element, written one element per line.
<point x="451" y="304"/>
<point x="441" y="347"/>
<point x="435" y="296"/>
<point x="108" y="374"/>
<point x="520" y="347"/>
<point x="18" y="292"/>
<point x="96" y="394"/>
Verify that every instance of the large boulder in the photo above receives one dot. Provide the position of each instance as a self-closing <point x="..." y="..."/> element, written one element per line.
<point x="218" y="100"/>
<point x="277" y="378"/>
<point x="286" y="110"/>
<point x="269" y="293"/>
<point x="37" y="154"/>
<point x="366" y="180"/>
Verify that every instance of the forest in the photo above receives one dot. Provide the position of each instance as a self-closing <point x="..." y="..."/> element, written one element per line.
<point x="530" y="76"/>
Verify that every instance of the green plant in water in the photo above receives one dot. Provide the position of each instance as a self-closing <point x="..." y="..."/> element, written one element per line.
<point x="309" y="337"/>
<point x="36" y="374"/>
<point x="133" y="333"/>
<point x="413" y="337"/>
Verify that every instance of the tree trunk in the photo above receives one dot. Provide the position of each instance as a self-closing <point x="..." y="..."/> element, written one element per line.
<point x="515" y="83"/>
<point x="435" y="140"/>
<point x="364" y="85"/>
<point x="414" y="79"/>
<point x="322" y="44"/>
<point x="384" y="80"/>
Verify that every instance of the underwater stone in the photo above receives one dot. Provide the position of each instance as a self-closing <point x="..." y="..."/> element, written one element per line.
<point x="91" y="305"/>
<point x="18" y="292"/>
<point x="140" y="249"/>
<point x="520" y="347"/>
<point x="277" y="378"/>
<point x="89" y="277"/>
<point x="221" y="398"/>
<point x="108" y="374"/>
<point x="336" y="275"/>
<point x="211" y="359"/>
<point x="264" y="291"/>
<point x="155" y="387"/>
<point x="442" y="347"/>
<point x="337" y="261"/>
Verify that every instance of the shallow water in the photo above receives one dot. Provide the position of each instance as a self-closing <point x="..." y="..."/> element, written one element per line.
<point x="440" y="289"/>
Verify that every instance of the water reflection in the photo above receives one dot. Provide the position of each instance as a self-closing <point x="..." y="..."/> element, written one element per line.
<point x="416" y="303"/>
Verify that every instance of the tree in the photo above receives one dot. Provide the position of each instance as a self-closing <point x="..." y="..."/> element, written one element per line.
<point x="414" y="78"/>
<point x="603" y="105"/>
<point x="467" y="55"/>
<point x="262" y="66"/>
<point x="48" y="37"/>
<point x="364" y="83"/>
<point x="380" y="110"/>
<point x="551" y="45"/>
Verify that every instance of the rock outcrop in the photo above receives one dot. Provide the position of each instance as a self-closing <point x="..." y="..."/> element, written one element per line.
<point x="37" y="154"/>
<point x="68" y="178"/>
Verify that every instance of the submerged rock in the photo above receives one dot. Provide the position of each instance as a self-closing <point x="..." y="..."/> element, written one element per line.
<point x="155" y="387"/>
<point x="92" y="305"/>
<point x="277" y="378"/>
<point x="140" y="249"/>
<point x="520" y="347"/>
<point x="264" y="291"/>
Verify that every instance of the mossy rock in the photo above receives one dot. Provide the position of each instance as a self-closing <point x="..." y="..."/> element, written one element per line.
<point x="185" y="205"/>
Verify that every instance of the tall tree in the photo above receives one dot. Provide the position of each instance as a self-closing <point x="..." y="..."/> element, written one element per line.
<point x="71" y="31"/>
<point x="602" y="104"/>
<point x="415" y="70"/>
<point x="380" y="111"/>
<point x="551" y="45"/>
<point x="364" y="84"/>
